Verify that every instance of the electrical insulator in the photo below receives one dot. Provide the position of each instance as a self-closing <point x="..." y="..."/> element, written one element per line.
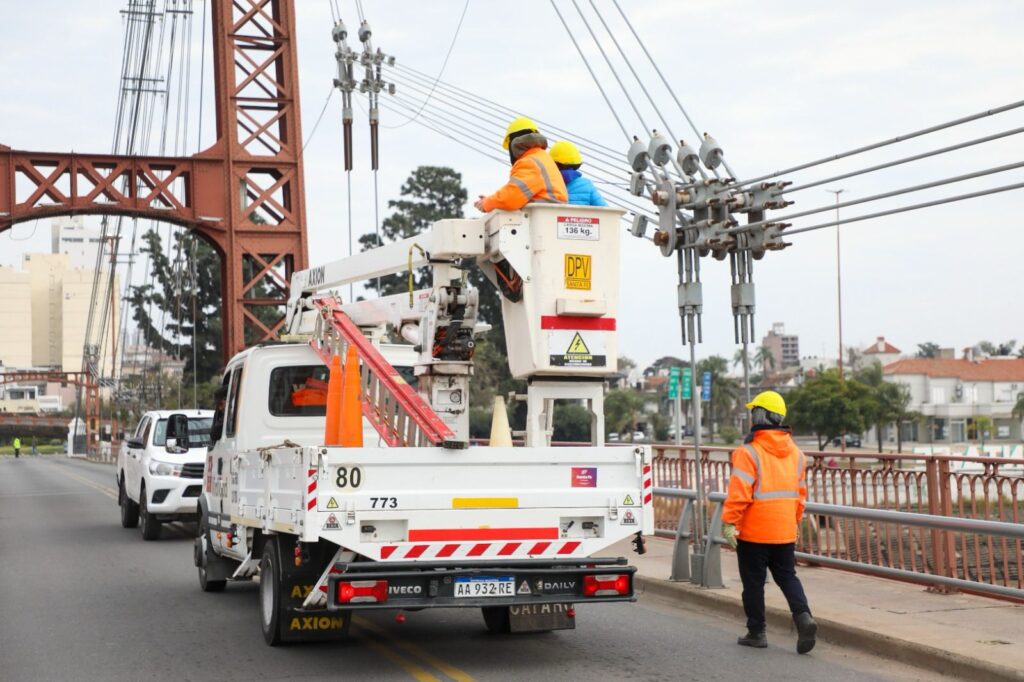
<point x="637" y="155"/>
<point x="659" y="150"/>
<point x="710" y="152"/>
<point x="639" y="226"/>
<point x="688" y="159"/>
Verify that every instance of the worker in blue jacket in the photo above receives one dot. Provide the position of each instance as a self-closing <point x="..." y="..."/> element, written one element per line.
<point x="581" y="190"/>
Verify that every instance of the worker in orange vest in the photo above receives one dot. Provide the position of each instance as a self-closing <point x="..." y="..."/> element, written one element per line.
<point x="767" y="495"/>
<point x="534" y="177"/>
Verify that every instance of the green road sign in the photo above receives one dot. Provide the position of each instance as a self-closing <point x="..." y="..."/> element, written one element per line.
<point x="687" y="384"/>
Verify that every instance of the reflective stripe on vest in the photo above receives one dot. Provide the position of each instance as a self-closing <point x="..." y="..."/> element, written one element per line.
<point x="775" y="494"/>
<point x="547" y="180"/>
<point x="523" y="187"/>
<point x="743" y="476"/>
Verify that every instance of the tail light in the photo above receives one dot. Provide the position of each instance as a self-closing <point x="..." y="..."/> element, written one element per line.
<point x="363" y="591"/>
<point x="604" y="585"/>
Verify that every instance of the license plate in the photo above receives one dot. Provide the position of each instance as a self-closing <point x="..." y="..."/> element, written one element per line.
<point x="485" y="586"/>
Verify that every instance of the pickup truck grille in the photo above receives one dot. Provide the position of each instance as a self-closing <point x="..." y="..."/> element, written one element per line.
<point x="193" y="470"/>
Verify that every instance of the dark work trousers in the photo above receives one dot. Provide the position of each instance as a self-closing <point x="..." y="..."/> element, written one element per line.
<point x="755" y="559"/>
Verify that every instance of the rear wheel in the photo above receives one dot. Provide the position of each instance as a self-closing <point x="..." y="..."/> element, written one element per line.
<point x="129" y="510"/>
<point x="270" y="588"/>
<point x="496" y="618"/>
<point x="149" y="523"/>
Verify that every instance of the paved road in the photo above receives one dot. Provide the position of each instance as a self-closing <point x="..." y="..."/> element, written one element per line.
<point x="83" y="599"/>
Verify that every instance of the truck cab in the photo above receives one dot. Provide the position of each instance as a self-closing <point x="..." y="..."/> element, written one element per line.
<point x="160" y="467"/>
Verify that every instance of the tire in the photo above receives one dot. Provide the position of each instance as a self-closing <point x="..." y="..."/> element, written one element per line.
<point x="270" y="592"/>
<point x="149" y="524"/>
<point x="496" y="618"/>
<point x="129" y="510"/>
<point x="205" y="583"/>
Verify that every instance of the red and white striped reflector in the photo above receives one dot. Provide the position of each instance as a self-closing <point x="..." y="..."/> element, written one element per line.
<point x="311" y="489"/>
<point x="479" y="550"/>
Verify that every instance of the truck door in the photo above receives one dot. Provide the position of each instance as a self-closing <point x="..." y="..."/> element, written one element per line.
<point x="223" y="454"/>
<point x="134" y="461"/>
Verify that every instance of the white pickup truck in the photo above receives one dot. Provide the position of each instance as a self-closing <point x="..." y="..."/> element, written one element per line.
<point x="160" y="469"/>
<point x="414" y="518"/>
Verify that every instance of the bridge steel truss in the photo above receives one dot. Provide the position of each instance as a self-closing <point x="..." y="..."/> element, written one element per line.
<point x="244" y="194"/>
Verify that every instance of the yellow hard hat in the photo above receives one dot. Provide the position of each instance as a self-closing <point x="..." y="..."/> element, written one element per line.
<point x="566" y="153"/>
<point x="769" y="400"/>
<point x="518" y="125"/>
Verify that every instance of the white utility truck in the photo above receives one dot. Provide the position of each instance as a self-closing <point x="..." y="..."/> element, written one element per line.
<point x="415" y="518"/>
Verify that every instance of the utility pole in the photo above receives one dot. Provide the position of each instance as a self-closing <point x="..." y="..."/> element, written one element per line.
<point x="839" y="301"/>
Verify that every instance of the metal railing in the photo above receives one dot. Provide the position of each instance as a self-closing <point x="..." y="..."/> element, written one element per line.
<point x="949" y="522"/>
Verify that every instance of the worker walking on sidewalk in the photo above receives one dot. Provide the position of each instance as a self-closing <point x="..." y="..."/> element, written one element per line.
<point x="767" y="495"/>
<point x="581" y="189"/>
<point x="17" y="447"/>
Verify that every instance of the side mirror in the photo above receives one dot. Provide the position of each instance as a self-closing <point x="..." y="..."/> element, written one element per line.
<point x="177" y="430"/>
<point x="134" y="444"/>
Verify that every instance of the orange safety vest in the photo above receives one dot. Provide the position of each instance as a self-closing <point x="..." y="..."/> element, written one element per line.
<point x="534" y="177"/>
<point x="767" y="489"/>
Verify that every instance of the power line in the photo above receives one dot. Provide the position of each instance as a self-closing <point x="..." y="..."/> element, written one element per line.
<point x="444" y="65"/>
<point x="913" y="207"/>
<point x="886" y="142"/>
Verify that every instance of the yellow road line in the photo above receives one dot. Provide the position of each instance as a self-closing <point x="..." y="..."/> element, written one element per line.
<point x="449" y="670"/>
<point x="408" y="666"/>
<point x="110" y="492"/>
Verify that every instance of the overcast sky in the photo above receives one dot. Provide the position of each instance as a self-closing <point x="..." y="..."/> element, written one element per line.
<point x="777" y="83"/>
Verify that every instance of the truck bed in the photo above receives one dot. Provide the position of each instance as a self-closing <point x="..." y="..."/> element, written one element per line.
<point x="431" y="504"/>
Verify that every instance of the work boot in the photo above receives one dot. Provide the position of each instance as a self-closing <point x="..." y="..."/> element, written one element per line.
<point x="806" y="630"/>
<point x="755" y="638"/>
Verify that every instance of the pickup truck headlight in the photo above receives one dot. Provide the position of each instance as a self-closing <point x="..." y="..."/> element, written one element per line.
<point x="158" y="468"/>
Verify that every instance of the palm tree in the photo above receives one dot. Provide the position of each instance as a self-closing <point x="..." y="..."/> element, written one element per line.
<point x="737" y="359"/>
<point x="764" y="357"/>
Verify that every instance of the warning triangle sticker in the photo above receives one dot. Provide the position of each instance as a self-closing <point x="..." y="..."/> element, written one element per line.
<point x="577" y="346"/>
<point x="332" y="503"/>
<point x="524" y="588"/>
<point x="628" y="502"/>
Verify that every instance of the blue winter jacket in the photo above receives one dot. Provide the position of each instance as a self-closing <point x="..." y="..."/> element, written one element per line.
<point x="581" y="189"/>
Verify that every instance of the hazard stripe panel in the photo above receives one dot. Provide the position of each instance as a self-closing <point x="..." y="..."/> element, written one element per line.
<point x="455" y="534"/>
<point x="584" y="323"/>
<point x="479" y="550"/>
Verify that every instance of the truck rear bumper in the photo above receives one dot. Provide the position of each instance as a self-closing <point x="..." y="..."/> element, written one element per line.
<point x="419" y="585"/>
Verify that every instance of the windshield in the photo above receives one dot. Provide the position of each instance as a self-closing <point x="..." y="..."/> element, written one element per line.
<point x="198" y="432"/>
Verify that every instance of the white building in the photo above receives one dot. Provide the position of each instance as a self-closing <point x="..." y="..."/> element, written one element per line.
<point x="72" y="238"/>
<point x="952" y="393"/>
<point x="882" y="351"/>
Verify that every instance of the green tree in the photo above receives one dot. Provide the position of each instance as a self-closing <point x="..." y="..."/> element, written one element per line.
<point x="928" y="350"/>
<point x="827" y="407"/>
<point x="764" y="357"/>
<point x="1004" y="348"/>
<point x="1018" y="408"/>
<point x="162" y="307"/>
<point x="429" y="194"/>
<point x="571" y="423"/>
<point x="622" y="410"/>
<point x="982" y="425"/>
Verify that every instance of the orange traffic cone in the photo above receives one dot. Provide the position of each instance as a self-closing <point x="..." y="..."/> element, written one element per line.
<point x="332" y="427"/>
<point x="351" y="402"/>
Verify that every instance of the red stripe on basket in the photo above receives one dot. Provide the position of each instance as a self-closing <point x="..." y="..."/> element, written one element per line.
<point x="570" y="322"/>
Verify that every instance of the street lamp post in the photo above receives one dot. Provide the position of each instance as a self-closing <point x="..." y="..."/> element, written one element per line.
<point x="839" y="300"/>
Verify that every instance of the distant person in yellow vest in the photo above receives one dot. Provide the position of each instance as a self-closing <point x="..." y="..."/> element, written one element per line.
<point x="17" y="447"/>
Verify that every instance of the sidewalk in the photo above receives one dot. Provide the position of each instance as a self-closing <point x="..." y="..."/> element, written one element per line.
<point x="963" y="636"/>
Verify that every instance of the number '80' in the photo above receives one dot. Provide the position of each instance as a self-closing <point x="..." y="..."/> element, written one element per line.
<point x="349" y="478"/>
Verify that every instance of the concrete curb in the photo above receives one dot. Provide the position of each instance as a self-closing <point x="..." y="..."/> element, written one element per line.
<point x="874" y="643"/>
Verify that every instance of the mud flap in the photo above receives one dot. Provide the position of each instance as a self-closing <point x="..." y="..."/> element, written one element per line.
<point x="540" y="618"/>
<point x="297" y="624"/>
